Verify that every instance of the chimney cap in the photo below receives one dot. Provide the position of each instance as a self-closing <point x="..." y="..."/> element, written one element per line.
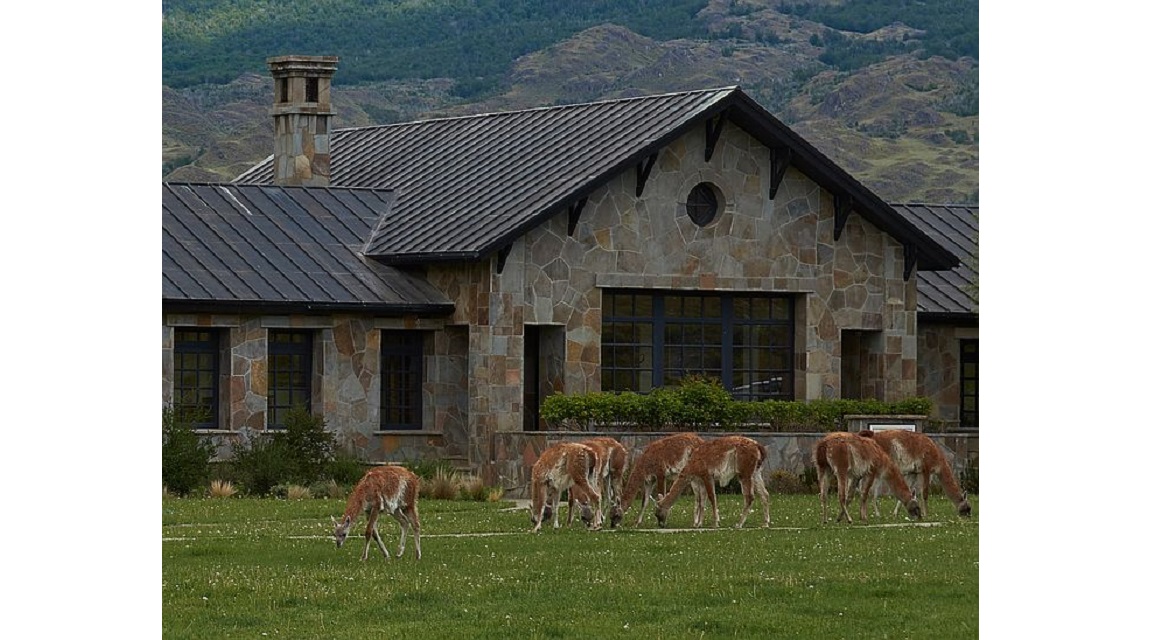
<point x="323" y="65"/>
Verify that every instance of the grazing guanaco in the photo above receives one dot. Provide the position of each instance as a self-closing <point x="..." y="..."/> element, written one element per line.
<point x="611" y="464"/>
<point x="660" y="459"/>
<point x="567" y="466"/>
<point x="393" y="490"/>
<point x="720" y="460"/>
<point x="857" y="461"/>
<point x="919" y="458"/>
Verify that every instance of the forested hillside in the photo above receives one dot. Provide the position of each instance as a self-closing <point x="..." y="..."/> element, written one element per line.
<point x="887" y="88"/>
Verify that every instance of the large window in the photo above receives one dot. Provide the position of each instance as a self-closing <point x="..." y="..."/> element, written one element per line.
<point x="653" y="339"/>
<point x="289" y="374"/>
<point x="969" y="384"/>
<point x="196" y="376"/>
<point x="401" y="379"/>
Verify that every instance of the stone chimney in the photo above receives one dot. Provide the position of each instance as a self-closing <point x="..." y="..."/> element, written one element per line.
<point x="303" y="113"/>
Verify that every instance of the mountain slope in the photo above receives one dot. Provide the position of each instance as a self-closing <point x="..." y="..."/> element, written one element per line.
<point x="906" y="125"/>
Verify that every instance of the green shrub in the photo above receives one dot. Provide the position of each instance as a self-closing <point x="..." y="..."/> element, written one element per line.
<point x="345" y="468"/>
<point x="702" y="404"/>
<point x="302" y="453"/>
<point x="184" y="455"/>
<point x="262" y="465"/>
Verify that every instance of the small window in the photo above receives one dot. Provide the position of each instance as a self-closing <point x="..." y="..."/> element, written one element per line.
<point x="969" y="384"/>
<point x="281" y="89"/>
<point x="312" y="89"/>
<point x="196" y="377"/>
<point x="289" y="374"/>
<point x="401" y="379"/>
<point x="702" y="204"/>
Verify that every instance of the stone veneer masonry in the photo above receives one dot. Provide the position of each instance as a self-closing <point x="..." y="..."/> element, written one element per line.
<point x="755" y="244"/>
<point x="474" y="363"/>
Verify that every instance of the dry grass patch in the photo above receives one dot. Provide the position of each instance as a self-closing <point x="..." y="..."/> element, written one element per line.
<point x="221" y="489"/>
<point x="297" y="492"/>
<point x="444" y="485"/>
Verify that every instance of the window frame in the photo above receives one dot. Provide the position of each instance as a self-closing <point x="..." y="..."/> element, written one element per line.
<point x="206" y="351"/>
<point x="707" y="341"/>
<point x="401" y="372"/>
<point x="290" y="358"/>
<point x="703" y="204"/>
<point x="969" y="384"/>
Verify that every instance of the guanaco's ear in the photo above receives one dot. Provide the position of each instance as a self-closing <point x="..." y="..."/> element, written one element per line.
<point x="333" y="519"/>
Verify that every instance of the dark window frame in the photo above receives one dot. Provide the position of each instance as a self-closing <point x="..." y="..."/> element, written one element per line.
<point x="703" y="204"/>
<point x="401" y="380"/>
<point x="693" y="333"/>
<point x="196" y="360"/>
<point x="969" y="384"/>
<point x="290" y="371"/>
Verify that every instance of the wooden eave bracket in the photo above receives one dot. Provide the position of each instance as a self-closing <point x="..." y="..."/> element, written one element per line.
<point x="642" y="171"/>
<point x="780" y="160"/>
<point x="714" y="127"/>
<point x="574" y="212"/>
<point x="502" y="257"/>
<point x="910" y="255"/>
<point x="843" y="207"/>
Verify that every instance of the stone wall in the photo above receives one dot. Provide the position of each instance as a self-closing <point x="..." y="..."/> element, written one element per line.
<point x="346" y="384"/>
<point x="755" y="244"/>
<point x="938" y="369"/>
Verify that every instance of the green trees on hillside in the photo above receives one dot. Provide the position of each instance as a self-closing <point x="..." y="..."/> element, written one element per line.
<point x="472" y="40"/>
<point x="476" y="41"/>
<point x="950" y="28"/>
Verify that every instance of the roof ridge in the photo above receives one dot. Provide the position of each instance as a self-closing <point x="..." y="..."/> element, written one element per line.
<point x="489" y="114"/>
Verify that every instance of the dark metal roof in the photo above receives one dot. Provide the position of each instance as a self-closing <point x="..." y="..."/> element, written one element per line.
<point x="955" y="226"/>
<point x="267" y="247"/>
<point x="468" y="186"/>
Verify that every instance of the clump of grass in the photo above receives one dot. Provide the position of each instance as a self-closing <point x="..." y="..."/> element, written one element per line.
<point x="329" y="489"/>
<point x="221" y="489"/>
<point x="444" y="485"/>
<point x="297" y="492"/>
<point x="472" y="488"/>
<point x="495" y="494"/>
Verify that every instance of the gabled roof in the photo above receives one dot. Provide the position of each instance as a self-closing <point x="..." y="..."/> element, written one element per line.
<point x="955" y="226"/>
<point x="249" y="247"/>
<point x="469" y="186"/>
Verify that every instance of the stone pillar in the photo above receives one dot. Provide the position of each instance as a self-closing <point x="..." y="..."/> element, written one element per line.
<point x="302" y="112"/>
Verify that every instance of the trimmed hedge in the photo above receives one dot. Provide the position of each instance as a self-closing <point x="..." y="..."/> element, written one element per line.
<point x="704" y="405"/>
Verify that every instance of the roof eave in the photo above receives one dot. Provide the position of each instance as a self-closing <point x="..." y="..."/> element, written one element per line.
<point x="261" y="307"/>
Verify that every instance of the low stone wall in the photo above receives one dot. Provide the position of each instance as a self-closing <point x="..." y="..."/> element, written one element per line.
<point x="514" y="453"/>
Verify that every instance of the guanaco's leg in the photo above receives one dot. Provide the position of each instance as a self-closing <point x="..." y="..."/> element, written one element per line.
<point x="843" y="491"/>
<point x="373" y="534"/>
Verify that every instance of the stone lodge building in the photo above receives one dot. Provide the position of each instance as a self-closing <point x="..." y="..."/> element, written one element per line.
<point x="425" y="285"/>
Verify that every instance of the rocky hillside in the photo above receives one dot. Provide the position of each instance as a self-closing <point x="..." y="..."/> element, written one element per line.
<point x="906" y="126"/>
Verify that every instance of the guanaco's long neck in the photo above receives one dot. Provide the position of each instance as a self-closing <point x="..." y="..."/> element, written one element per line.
<point x="894" y="478"/>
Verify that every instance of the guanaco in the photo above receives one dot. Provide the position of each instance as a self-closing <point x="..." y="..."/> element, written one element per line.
<point x="391" y="489"/>
<point x="720" y="460"/>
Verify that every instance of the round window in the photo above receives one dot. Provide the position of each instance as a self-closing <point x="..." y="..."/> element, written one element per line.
<point x="702" y="204"/>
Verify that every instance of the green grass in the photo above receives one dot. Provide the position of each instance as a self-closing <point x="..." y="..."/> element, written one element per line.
<point x="258" y="568"/>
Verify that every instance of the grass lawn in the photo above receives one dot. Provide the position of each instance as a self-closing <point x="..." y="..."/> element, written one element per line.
<point x="254" y="568"/>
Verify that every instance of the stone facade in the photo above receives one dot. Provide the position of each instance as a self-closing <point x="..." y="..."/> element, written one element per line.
<point x="938" y="368"/>
<point x="755" y="244"/>
<point x="474" y="363"/>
